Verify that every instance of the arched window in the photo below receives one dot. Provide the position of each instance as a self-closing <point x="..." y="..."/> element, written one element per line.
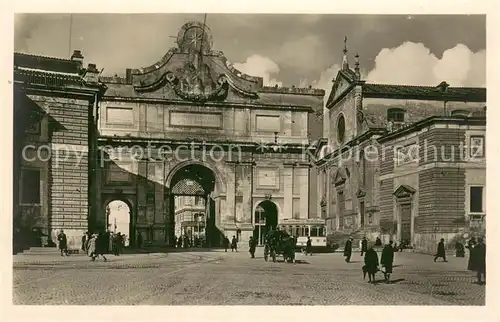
<point x="462" y="113"/>
<point x="396" y="115"/>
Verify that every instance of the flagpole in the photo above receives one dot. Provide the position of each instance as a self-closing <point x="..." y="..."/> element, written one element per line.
<point x="70" y="33"/>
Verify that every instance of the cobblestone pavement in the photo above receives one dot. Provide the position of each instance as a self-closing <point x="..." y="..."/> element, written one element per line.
<point x="219" y="278"/>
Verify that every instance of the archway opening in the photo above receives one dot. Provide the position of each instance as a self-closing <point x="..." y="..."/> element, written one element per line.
<point x="193" y="212"/>
<point x="118" y="219"/>
<point x="265" y="220"/>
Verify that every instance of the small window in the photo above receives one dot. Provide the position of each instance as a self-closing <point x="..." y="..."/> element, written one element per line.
<point x="396" y="115"/>
<point x="30" y="186"/>
<point x="477" y="146"/>
<point x="476" y="199"/>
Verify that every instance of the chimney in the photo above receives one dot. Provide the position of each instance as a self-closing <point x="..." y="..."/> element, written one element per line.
<point x="77" y="57"/>
<point x="91" y="74"/>
<point x="128" y="75"/>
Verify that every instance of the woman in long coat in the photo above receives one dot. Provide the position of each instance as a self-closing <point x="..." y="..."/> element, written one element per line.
<point x="387" y="260"/>
<point x="371" y="263"/>
<point x="91" y="246"/>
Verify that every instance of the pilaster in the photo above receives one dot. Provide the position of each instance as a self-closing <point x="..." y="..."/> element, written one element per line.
<point x="304" y="192"/>
<point x="288" y="174"/>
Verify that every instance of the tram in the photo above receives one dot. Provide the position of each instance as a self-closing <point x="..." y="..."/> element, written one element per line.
<point x="315" y="228"/>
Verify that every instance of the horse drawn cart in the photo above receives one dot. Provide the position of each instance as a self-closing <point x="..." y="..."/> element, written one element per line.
<point x="279" y="243"/>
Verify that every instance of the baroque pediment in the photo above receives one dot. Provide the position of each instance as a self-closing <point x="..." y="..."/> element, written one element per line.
<point x="194" y="71"/>
<point x="404" y="191"/>
<point x="340" y="176"/>
<point x="341" y="84"/>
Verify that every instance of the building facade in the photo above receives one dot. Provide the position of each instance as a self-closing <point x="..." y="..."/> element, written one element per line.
<point x="190" y="216"/>
<point x="55" y="102"/>
<point x="190" y="117"/>
<point x="400" y="162"/>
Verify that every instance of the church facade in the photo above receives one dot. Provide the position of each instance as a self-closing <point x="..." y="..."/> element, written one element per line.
<point x="190" y="117"/>
<point x="403" y="163"/>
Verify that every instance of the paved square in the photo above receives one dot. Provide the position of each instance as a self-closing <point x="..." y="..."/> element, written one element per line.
<point x="219" y="278"/>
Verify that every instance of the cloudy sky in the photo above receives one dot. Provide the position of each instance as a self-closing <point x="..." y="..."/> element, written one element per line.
<point x="298" y="50"/>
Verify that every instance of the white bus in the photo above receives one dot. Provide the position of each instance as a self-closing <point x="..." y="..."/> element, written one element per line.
<point x="303" y="228"/>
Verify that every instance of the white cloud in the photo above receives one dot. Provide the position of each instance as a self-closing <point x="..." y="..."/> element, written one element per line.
<point x="264" y="67"/>
<point x="325" y="80"/>
<point x="414" y="64"/>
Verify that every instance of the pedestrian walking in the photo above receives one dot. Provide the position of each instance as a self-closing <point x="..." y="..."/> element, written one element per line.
<point x="225" y="243"/>
<point x="441" y="252"/>
<point x="252" y="244"/>
<point x="234" y="244"/>
<point x="101" y="246"/>
<point x="470" y="245"/>
<point x="84" y="241"/>
<point x="91" y="246"/>
<point x="364" y="244"/>
<point x="371" y="263"/>
<point x="139" y="240"/>
<point x="478" y="260"/>
<point x="348" y="250"/>
<point x="387" y="260"/>
<point x="63" y="243"/>
<point x="309" y="246"/>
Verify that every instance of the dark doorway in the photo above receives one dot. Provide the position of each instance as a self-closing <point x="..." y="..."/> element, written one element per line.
<point x="265" y="219"/>
<point x="405" y="222"/>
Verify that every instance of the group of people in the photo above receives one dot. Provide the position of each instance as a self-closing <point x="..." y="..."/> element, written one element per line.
<point x="233" y="244"/>
<point x="184" y="241"/>
<point x="371" y="260"/>
<point x="476" y="263"/>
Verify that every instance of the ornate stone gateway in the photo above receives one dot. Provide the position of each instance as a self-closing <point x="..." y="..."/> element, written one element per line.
<point x="192" y="115"/>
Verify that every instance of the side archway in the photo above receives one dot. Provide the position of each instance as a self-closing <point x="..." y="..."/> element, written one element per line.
<point x="265" y="218"/>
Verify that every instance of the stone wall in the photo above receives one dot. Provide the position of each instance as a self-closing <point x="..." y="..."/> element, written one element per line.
<point x="68" y="166"/>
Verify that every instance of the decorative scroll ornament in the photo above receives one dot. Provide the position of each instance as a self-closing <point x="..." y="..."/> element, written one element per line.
<point x="196" y="96"/>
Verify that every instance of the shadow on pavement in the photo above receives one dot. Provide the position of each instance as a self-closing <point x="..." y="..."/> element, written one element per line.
<point x="152" y="249"/>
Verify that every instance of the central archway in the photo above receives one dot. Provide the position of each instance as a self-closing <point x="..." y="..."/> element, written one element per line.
<point x="265" y="219"/>
<point x="192" y="208"/>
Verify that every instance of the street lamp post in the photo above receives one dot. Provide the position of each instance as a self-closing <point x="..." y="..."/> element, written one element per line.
<point x="258" y="222"/>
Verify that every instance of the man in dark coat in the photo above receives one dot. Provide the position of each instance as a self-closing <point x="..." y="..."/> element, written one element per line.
<point x="364" y="244"/>
<point x="252" y="244"/>
<point x="226" y="243"/>
<point x="478" y="255"/>
<point x="234" y="244"/>
<point x="309" y="246"/>
<point x="85" y="237"/>
<point x="348" y="250"/>
<point x="387" y="260"/>
<point x="101" y="246"/>
<point x="441" y="252"/>
<point x="63" y="243"/>
<point x="371" y="264"/>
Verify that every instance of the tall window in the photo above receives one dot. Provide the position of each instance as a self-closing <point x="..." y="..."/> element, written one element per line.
<point x="396" y="115"/>
<point x="30" y="186"/>
<point x="476" y="199"/>
<point x="362" y="167"/>
<point x="341" y="129"/>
